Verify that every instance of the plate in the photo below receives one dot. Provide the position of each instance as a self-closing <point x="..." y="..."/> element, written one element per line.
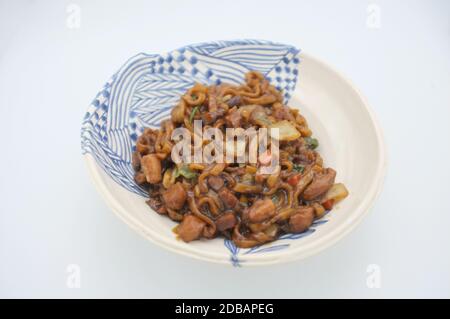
<point x="142" y="93"/>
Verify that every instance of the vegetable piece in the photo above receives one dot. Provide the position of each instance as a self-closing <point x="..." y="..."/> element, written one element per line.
<point x="184" y="171"/>
<point x="298" y="168"/>
<point x="194" y="110"/>
<point x="328" y="204"/>
<point x="337" y="192"/>
<point x="311" y="143"/>
<point x="259" y="117"/>
<point x="294" y="179"/>
<point x="287" y="131"/>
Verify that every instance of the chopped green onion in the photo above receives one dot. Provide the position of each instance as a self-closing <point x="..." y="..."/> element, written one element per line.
<point x="191" y="116"/>
<point x="298" y="168"/>
<point x="312" y="143"/>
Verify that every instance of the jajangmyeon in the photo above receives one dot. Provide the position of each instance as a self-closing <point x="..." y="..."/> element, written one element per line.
<point x="236" y="200"/>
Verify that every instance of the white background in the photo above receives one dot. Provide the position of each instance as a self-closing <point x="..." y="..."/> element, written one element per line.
<point x="51" y="216"/>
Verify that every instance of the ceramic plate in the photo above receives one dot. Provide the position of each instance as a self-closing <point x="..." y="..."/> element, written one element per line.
<point x="145" y="88"/>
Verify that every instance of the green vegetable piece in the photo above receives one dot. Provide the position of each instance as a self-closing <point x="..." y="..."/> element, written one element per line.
<point x="312" y="143"/>
<point x="185" y="171"/>
<point x="191" y="116"/>
<point x="298" y="168"/>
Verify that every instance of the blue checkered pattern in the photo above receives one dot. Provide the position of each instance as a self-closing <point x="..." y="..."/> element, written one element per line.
<point x="147" y="86"/>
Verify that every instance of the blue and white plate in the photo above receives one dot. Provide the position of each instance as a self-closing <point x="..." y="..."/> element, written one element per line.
<point x="143" y="91"/>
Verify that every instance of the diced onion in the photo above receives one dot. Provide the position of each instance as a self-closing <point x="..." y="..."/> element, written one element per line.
<point x="287" y="131"/>
<point x="337" y="192"/>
